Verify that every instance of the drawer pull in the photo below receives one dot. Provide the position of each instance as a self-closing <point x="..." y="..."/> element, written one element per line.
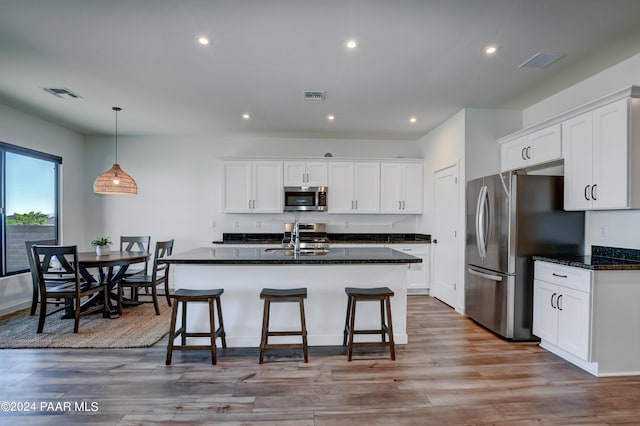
<point x="558" y="275"/>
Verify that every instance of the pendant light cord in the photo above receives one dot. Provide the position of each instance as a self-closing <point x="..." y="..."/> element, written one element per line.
<point x="116" y="109"/>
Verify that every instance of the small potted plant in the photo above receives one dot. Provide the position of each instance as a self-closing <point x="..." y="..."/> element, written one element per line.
<point x="102" y="245"/>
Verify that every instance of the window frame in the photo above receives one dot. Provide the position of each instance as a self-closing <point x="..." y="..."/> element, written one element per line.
<point x="27" y="152"/>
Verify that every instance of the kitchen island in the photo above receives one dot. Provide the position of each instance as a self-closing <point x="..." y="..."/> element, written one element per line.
<point x="243" y="272"/>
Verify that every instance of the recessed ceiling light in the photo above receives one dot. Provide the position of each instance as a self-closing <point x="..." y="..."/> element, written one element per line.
<point x="412" y="120"/>
<point x="490" y="50"/>
<point x="203" y="40"/>
<point x="246" y="116"/>
<point x="351" y="44"/>
<point x="331" y="117"/>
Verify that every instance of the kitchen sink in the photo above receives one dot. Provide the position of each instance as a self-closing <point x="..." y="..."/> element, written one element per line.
<point x="287" y="251"/>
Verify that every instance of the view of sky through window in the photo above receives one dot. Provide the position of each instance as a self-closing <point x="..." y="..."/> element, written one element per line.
<point x="30" y="185"/>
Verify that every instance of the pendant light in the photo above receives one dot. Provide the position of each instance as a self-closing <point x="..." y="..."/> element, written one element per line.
<point x="114" y="181"/>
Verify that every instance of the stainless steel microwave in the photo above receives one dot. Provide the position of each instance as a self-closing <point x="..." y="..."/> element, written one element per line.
<point x="305" y="198"/>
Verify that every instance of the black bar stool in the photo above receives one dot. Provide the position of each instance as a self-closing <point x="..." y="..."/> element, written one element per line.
<point x="381" y="294"/>
<point x="182" y="297"/>
<point x="283" y="295"/>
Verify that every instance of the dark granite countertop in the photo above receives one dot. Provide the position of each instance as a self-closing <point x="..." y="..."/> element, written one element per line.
<point x="260" y="256"/>
<point x="601" y="258"/>
<point x="336" y="238"/>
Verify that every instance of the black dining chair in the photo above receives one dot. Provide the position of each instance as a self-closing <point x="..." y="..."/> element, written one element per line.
<point x="159" y="275"/>
<point x="34" y="272"/>
<point x="59" y="278"/>
<point x="136" y="243"/>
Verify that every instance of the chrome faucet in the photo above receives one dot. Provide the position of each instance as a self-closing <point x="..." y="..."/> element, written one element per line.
<point x="295" y="236"/>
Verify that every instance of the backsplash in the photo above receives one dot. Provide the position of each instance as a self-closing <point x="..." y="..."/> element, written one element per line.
<point x="616" y="228"/>
<point x="616" y="252"/>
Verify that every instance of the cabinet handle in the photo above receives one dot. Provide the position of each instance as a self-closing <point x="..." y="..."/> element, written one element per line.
<point x="593" y="194"/>
<point x="527" y="152"/>
<point x="558" y="303"/>
<point x="558" y="275"/>
<point x="356" y="204"/>
<point x="586" y="189"/>
<point x="522" y="154"/>
<point x="403" y="206"/>
<point x="553" y="296"/>
<point x="399" y="205"/>
<point x="249" y="203"/>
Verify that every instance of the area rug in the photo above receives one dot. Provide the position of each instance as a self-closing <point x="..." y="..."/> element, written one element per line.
<point x="138" y="327"/>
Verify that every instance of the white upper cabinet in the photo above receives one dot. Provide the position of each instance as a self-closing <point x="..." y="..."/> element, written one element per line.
<point x="252" y="186"/>
<point x="598" y="153"/>
<point x="401" y="188"/>
<point x="354" y="187"/>
<point x="305" y="173"/>
<point x="539" y="147"/>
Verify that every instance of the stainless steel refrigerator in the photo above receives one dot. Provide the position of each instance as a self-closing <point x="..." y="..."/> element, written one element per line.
<point x="510" y="218"/>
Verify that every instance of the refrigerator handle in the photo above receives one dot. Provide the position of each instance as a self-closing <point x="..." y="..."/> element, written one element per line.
<point x="483" y="275"/>
<point x="479" y="221"/>
<point x="485" y="219"/>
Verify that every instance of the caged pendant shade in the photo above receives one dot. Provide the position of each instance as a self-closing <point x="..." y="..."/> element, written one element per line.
<point x="114" y="181"/>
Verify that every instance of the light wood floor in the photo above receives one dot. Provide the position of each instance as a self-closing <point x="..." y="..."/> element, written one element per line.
<point x="451" y="373"/>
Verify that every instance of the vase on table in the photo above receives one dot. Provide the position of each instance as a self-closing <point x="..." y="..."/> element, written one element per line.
<point x="102" y="250"/>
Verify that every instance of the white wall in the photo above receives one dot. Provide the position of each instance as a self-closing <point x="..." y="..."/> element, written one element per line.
<point x="440" y="148"/>
<point x="179" y="181"/>
<point x="482" y="128"/>
<point x="617" y="77"/>
<point x="27" y="131"/>
<point x="469" y="140"/>
<point x="444" y="147"/>
<point x="617" y="228"/>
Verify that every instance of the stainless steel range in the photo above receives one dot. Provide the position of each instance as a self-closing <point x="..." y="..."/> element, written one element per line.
<point x="312" y="236"/>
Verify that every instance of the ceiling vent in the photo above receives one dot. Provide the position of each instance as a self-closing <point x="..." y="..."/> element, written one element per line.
<point x="314" y="96"/>
<point x="541" y="60"/>
<point x="62" y="93"/>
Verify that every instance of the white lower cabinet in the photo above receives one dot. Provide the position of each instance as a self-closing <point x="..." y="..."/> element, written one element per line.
<point x="418" y="277"/>
<point x="561" y="315"/>
<point x="590" y="318"/>
<point x="418" y="274"/>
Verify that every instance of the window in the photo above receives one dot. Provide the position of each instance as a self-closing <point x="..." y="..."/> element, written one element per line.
<point x="29" y="203"/>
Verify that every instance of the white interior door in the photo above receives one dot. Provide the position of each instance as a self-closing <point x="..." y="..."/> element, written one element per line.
<point x="445" y="237"/>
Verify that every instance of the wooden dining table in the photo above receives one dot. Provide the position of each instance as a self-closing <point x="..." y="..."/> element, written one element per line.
<point x="110" y="269"/>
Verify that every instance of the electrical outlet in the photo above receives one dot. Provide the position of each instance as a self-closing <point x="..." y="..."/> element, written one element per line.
<point x="346" y="224"/>
<point x="258" y="224"/>
<point x="236" y="224"/>
<point x="213" y="223"/>
<point x="603" y="230"/>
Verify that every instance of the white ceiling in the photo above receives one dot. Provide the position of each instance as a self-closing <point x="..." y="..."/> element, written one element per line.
<point x="421" y="58"/>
